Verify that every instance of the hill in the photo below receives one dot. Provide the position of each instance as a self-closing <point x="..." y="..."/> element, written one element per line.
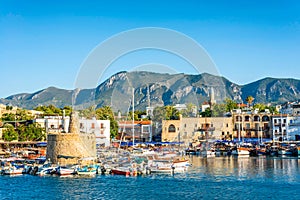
<point x="160" y="89"/>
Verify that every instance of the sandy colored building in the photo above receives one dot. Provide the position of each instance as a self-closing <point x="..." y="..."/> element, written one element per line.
<point x="190" y="130"/>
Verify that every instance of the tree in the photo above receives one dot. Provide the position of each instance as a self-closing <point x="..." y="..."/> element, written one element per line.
<point x="68" y="110"/>
<point x="206" y="113"/>
<point x="249" y="100"/>
<point x="9" y="134"/>
<point x="230" y="105"/>
<point x="31" y="132"/>
<point x="22" y="114"/>
<point x="171" y="113"/>
<point x="261" y="107"/>
<point x="9" y="117"/>
<point x="158" y="114"/>
<point x="106" y="113"/>
<point x="49" y="110"/>
<point x="88" y="113"/>
<point x="189" y="111"/>
<point x="218" y="110"/>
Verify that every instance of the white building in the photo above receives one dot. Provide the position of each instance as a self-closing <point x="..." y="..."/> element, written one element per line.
<point x="54" y="123"/>
<point x="293" y="130"/>
<point x="101" y="128"/>
<point x="279" y="127"/>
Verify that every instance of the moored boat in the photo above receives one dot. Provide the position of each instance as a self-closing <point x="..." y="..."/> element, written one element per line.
<point x="240" y="151"/>
<point x="125" y="171"/>
<point x="87" y="170"/>
<point x="12" y="170"/>
<point x="63" y="170"/>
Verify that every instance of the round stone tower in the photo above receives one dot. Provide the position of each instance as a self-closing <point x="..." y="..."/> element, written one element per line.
<point x="69" y="148"/>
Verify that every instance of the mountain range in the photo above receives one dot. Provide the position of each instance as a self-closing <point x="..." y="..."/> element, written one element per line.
<point x="159" y="89"/>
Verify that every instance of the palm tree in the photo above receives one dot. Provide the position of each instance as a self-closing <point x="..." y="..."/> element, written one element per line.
<point x="249" y="100"/>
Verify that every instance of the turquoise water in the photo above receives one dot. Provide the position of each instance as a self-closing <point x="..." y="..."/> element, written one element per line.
<point x="211" y="178"/>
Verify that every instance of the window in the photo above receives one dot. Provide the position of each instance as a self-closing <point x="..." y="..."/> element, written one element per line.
<point x="247" y="118"/>
<point x="256" y="118"/>
<point x="223" y="133"/>
<point x="227" y="125"/>
<point x="172" y="128"/>
<point x="102" y="125"/>
<point x="93" y="125"/>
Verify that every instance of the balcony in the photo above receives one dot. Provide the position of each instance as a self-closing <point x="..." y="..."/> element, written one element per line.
<point x="206" y="129"/>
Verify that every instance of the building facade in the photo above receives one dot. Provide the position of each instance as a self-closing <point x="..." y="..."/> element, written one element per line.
<point x="252" y="125"/>
<point x="59" y="124"/>
<point x="189" y="130"/>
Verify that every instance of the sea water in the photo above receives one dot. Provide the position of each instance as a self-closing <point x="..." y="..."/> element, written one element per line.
<point x="207" y="178"/>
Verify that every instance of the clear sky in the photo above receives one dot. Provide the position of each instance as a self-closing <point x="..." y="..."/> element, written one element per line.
<point x="44" y="43"/>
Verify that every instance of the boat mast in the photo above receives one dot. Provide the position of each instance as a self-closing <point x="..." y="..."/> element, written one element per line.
<point x="239" y="135"/>
<point x="149" y="105"/>
<point x="281" y="127"/>
<point x="132" y="116"/>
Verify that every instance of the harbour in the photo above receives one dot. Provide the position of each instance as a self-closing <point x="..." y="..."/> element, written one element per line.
<point x="228" y="177"/>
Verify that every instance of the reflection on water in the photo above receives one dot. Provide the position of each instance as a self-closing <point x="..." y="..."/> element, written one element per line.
<point x="276" y="169"/>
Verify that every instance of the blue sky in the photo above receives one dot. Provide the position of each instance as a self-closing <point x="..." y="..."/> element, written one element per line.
<point x="43" y="43"/>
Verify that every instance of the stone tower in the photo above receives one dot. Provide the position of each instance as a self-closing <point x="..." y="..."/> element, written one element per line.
<point x="69" y="148"/>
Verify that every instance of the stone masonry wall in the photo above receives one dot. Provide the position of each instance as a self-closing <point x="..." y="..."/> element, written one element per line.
<point x="68" y="148"/>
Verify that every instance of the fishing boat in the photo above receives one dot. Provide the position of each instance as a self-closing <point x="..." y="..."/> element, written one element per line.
<point x="87" y="170"/>
<point x="125" y="171"/>
<point x="63" y="170"/>
<point x="274" y="150"/>
<point x="167" y="166"/>
<point x="240" y="151"/>
<point x="181" y="162"/>
<point x="261" y="150"/>
<point x="12" y="170"/>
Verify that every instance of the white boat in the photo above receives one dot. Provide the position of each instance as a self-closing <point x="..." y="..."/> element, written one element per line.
<point x="62" y="171"/>
<point x="241" y="151"/>
<point x="208" y="153"/>
<point x="285" y="152"/>
<point x="12" y="170"/>
<point x="167" y="166"/>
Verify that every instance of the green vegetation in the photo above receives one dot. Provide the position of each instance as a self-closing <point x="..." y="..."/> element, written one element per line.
<point x="18" y="126"/>
<point x="9" y="133"/>
<point x="165" y="113"/>
<point x="52" y="110"/>
<point x="106" y="113"/>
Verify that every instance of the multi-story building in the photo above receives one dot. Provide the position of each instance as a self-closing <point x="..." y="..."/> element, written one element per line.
<point x="293" y="130"/>
<point x="279" y="127"/>
<point x="189" y="130"/>
<point x="251" y="125"/>
<point x="101" y="129"/>
<point x="141" y="130"/>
